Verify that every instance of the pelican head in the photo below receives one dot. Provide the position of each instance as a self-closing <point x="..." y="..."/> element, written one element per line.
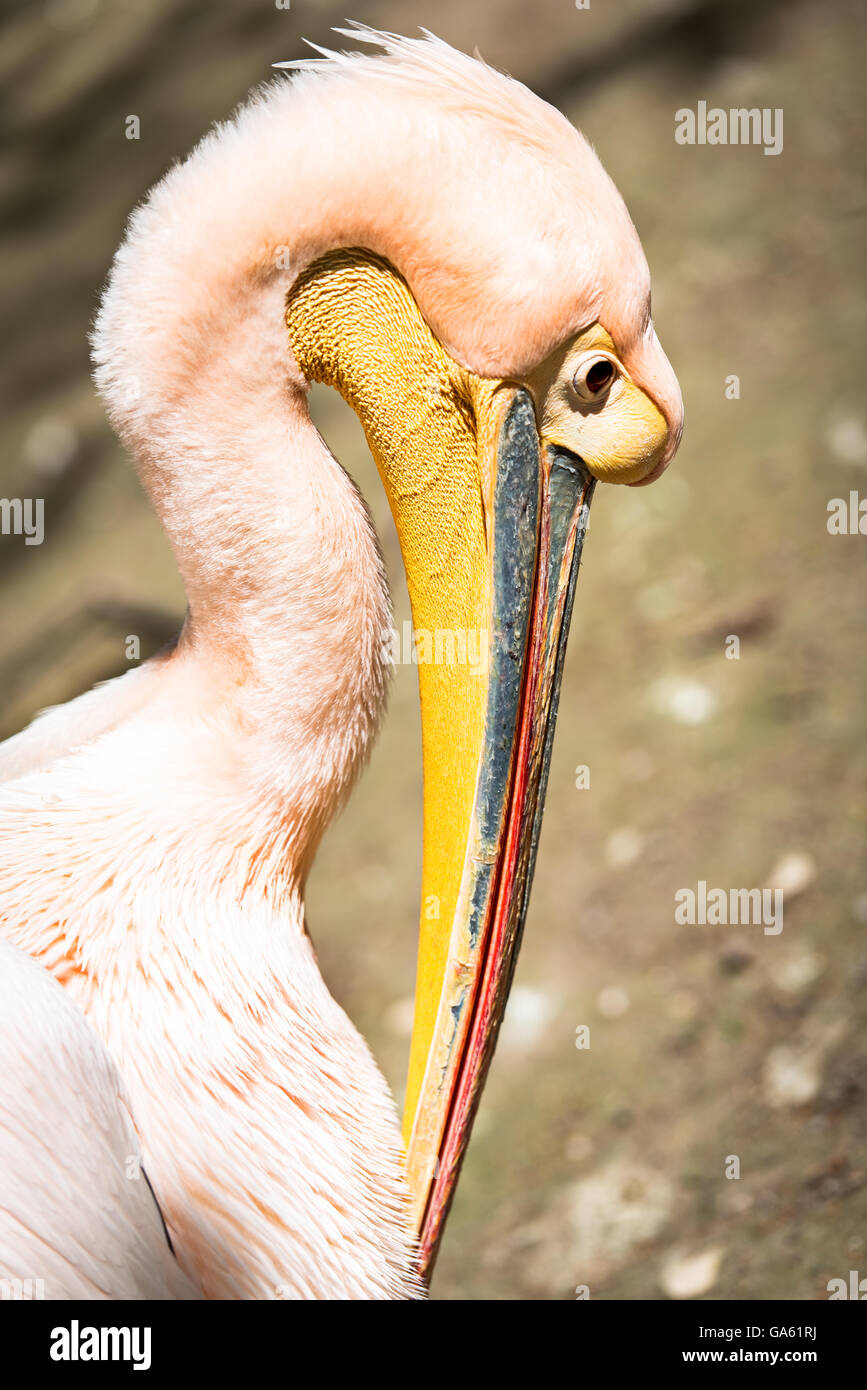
<point x="510" y="365"/>
<point x="441" y="246"/>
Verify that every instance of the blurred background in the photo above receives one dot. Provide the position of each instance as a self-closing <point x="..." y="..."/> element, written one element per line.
<point x="606" y="1166"/>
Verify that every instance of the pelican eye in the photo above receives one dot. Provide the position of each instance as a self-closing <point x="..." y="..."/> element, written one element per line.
<point x="594" y="377"/>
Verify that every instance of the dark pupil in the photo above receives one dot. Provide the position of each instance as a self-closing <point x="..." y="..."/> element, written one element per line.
<point x="599" y="376"/>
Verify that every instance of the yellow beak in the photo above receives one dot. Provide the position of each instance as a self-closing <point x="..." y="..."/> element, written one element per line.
<point x="491" y="526"/>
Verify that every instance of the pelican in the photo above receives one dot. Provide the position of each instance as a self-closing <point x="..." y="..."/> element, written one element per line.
<point x="185" y="1112"/>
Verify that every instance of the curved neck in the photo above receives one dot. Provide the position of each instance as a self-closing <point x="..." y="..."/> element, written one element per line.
<point x="288" y="603"/>
<point x="275" y="548"/>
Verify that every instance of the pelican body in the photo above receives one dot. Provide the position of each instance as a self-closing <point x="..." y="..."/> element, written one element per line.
<point x="185" y="1111"/>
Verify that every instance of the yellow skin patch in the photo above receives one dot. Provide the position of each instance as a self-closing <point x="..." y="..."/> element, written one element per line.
<point x="354" y="324"/>
<point x="622" y="435"/>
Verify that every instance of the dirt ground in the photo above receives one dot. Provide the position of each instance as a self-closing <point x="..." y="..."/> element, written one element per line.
<point x="710" y="1140"/>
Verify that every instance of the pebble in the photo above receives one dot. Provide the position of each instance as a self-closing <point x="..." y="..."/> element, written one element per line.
<point x="798" y="970"/>
<point x="847" y="439"/>
<point x="689" y="1276"/>
<point x="623" y="847"/>
<point x="793" y="873"/>
<point x="399" y="1016"/>
<point x="790" y="1077"/>
<point x="596" y="1223"/>
<point x="51" y="446"/>
<point x="528" y="1014"/>
<point x="617" y="1209"/>
<point x="685" y="701"/>
<point x="612" y="1002"/>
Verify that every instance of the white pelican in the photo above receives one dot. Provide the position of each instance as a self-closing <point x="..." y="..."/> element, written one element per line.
<point x="440" y="245"/>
